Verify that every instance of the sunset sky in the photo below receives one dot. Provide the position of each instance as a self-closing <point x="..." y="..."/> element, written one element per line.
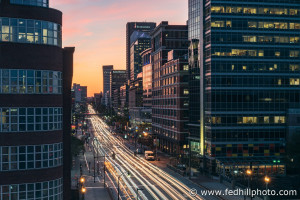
<point x="97" y="29"/>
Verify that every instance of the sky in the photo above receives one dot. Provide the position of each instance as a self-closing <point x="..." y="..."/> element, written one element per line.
<point x="97" y="29"/>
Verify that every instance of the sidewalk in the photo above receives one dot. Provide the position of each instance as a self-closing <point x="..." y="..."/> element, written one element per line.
<point x="94" y="190"/>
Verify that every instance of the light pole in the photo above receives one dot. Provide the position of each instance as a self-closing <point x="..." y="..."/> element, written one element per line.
<point x="267" y="180"/>
<point x="137" y="192"/>
<point x="249" y="173"/>
<point x="128" y="173"/>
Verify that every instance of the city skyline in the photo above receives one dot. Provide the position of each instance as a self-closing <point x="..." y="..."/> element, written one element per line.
<point x="98" y="30"/>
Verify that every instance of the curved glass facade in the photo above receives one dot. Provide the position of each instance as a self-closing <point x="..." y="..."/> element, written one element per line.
<point x="19" y="81"/>
<point x="15" y="158"/>
<point x="28" y="191"/>
<point x="30" y="119"/>
<point x="40" y="3"/>
<point x="30" y="31"/>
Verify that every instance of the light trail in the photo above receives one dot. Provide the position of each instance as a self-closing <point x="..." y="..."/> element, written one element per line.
<point x="155" y="181"/>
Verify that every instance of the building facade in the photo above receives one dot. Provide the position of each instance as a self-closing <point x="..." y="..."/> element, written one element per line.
<point x="138" y="45"/>
<point x="248" y="58"/>
<point x="145" y="27"/>
<point x="106" y="83"/>
<point x="165" y="91"/>
<point x="117" y="79"/>
<point x="147" y="78"/>
<point x="35" y="102"/>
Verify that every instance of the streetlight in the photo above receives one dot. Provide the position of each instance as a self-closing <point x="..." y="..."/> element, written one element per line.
<point x="137" y="192"/>
<point x="249" y="173"/>
<point x="267" y="181"/>
<point x="128" y="174"/>
<point x="82" y="180"/>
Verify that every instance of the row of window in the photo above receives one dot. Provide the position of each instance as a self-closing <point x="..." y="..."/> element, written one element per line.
<point x="30" y="157"/>
<point x="253" y="53"/>
<point x="15" y="81"/>
<point x="254" y="24"/>
<point x="252" y="67"/>
<point x="247" y="120"/>
<point x="270" y="39"/>
<point x="50" y="190"/>
<point x="255" y="10"/>
<point x="164" y="132"/>
<point x="30" y="119"/>
<point x="40" y="3"/>
<point x="30" y="31"/>
<point x="252" y="81"/>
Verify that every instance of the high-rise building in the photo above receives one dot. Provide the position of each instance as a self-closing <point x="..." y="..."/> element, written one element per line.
<point x="35" y="106"/>
<point x="247" y="54"/>
<point x="145" y="27"/>
<point x="80" y="93"/>
<point x="167" y="91"/>
<point x="147" y="78"/>
<point x="106" y="82"/>
<point x="117" y="79"/>
<point x="138" y="45"/>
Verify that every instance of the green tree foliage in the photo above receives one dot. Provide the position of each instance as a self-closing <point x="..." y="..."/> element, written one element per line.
<point x="77" y="146"/>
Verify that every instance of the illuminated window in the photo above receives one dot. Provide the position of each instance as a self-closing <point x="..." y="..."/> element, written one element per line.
<point x="216" y="120"/>
<point x="294" y="81"/>
<point x="266" y="120"/>
<point x="279" y="119"/>
<point x="294" y="53"/>
<point x="260" y="53"/>
<point x="252" y="24"/>
<point x="244" y="68"/>
<point x="294" y="39"/>
<point x="249" y="120"/>
<point x="228" y="24"/>
<point x="185" y="91"/>
<point x="217" y="9"/>
<point x="294" y="67"/>
<point x="250" y="10"/>
<point x="249" y="38"/>
<point x="277" y="53"/>
<point x="185" y="67"/>
<point x="217" y="24"/>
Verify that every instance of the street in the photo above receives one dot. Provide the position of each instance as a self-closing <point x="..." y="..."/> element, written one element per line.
<point x="136" y="176"/>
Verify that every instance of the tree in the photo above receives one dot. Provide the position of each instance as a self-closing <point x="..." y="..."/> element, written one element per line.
<point x="77" y="146"/>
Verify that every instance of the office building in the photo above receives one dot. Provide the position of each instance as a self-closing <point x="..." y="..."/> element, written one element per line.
<point x="166" y="91"/>
<point x="117" y="79"/>
<point x="147" y="78"/>
<point x="80" y="93"/>
<point x="106" y="82"/>
<point x="124" y="96"/>
<point x="145" y="27"/>
<point x="247" y="54"/>
<point x="35" y="106"/>
<point x="139" y="43"/>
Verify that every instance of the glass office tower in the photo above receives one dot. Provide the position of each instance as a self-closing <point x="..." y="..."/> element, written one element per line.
<point x="248" y="56"/>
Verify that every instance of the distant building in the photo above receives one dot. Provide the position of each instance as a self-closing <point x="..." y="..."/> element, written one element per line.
<point x="136" y="100"/>
<point x="80" y="93"/>
<point x="167" y="91"/>
<point x="117" y="79"/>
<point x="106" y="82"/>
<point x="124" y="95"/>
<point x="145" y="27"/>
<point x="116" y="104"/>
<point x="140" y="41"/>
